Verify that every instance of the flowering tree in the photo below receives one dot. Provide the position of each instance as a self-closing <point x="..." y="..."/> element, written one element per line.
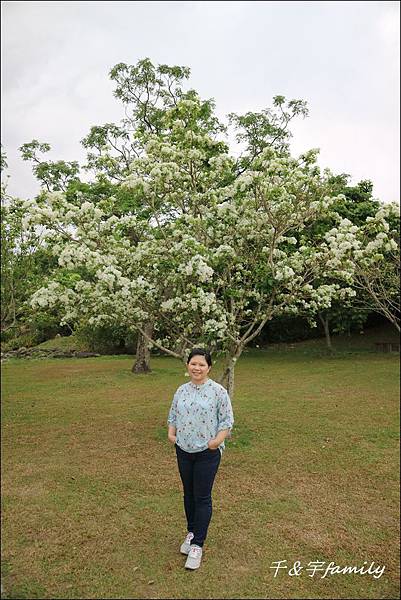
<point x="215" y="274"/>
<point x="24" y="261"/>
<point x="355" y="204"/>
<point x="249" y="256"/>
<point x="146" y="91"/>
<point x="371" y="255"/>
<point x="164" y="128"/>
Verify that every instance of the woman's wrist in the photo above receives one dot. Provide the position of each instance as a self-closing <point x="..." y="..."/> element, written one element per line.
<point x="172" y="434"/>
<point x="218" y="440"/>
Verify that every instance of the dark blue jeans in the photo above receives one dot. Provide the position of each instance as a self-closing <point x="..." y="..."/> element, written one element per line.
<point x="197" y="471"/>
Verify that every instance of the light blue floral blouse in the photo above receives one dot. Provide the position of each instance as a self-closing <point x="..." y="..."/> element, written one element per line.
<point x="199" y="412"/>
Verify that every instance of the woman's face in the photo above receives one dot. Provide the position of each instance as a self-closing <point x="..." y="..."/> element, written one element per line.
<point x="198" y="368"/>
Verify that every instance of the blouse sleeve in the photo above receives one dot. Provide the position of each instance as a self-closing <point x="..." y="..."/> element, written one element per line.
<point x="172" y="416"/>
<point x="225" y="412"/>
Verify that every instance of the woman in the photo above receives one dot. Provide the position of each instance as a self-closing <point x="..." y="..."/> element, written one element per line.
<point x="199" y="420"/>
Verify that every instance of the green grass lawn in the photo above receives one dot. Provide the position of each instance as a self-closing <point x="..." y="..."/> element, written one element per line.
<point x="92" y="501"/>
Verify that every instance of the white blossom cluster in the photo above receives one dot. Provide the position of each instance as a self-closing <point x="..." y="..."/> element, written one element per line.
<point x="197" y="266"/>
<point x="352" y="245"/>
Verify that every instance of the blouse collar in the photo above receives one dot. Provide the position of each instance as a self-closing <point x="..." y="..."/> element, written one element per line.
<point x="198" y="386"/>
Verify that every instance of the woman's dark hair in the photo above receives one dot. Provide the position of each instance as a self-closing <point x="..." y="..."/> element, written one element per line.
<point x="200" y="352"/>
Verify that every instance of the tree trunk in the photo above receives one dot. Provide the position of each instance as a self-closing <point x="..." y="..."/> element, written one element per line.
<point x="142" y="363"/>
<point x="227" y="378"/>
<point x="325" y="323"/>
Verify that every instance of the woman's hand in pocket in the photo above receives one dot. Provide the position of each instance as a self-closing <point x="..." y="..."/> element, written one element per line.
<point x="212" y="445"/>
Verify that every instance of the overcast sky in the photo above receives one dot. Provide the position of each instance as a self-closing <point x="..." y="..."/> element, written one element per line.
<point x="341" y="57"/>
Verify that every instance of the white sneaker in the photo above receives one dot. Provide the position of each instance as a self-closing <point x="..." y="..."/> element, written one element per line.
<point x="194" y="557"/>
<point x="186" y="545"/>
